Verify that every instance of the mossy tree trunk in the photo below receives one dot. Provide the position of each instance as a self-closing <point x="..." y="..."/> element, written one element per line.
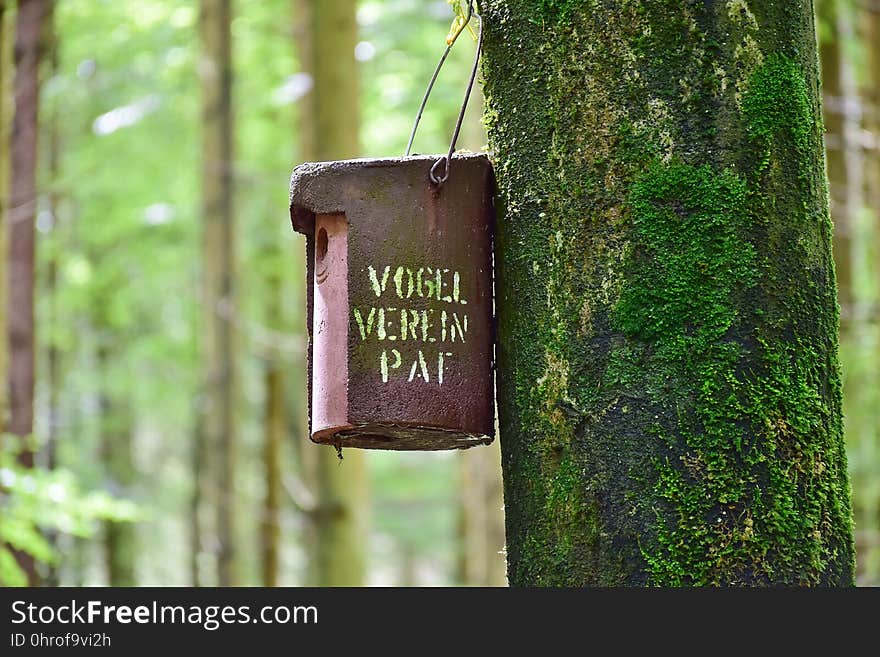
<point x="329" y="130"/>
<point x="670" y="398"/>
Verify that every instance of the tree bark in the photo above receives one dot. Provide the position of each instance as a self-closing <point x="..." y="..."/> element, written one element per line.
<point x="218" y="264"/>
<point x="53" y="353"/>
<point x="329" y="129"/>
<point x="275" y="429"/>
<point x="22" y="211"/>
<point x="198" y="461"/>
<point x="20" y="218"/>
<point x="862" y="398"/>
<point x="275" y="420"/>
<point x="481" y="518"/>
<point x="7" y="37"/>
<point x="496" y="568"/>
<point x="669" y="388"/>
<point x="834" y="104"/>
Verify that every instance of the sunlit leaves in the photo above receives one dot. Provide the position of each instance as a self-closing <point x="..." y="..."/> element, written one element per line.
<point x="34" y="500"/>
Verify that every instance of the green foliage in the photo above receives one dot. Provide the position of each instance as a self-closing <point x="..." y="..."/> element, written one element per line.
<point x="461" y="10"/>
<point x="34" y="501"/>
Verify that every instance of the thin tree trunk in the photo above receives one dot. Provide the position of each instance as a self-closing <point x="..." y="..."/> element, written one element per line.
<point x="870" y="20"/>
<point x="473" y="519"/>
<point x="198" y="460"/>
<point x="22" y="211"/>
<point x="275" y="429"/>
<point x="850" y="107"/>
<point x="669" y="389"/>
<point x="274" y="416"/>
<point x="834" y="104"/>
<point x="862" y="401"/>
<point x="481" y="510"/>
<point x="481" y="518"/>
<point x="340" y="519"/>
<point x="329" y="125"/>
<point x="120" y="542"/>
<point x="53" y="355"/>
<point x="407" y="575"/>
<point x="496" y="568"/>
<point x="218" y="398"/>
<point x="7" y="38"/>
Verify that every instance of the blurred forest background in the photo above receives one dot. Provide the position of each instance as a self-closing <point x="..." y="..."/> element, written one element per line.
<point x="158" y="435"/>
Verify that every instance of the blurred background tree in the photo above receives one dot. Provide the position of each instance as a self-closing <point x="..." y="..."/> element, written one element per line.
<point x="849" y="40"/>
<point x="140" y="475"/>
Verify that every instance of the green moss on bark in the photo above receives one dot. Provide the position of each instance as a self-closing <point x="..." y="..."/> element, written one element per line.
<point x="743" y="491"/>
<point x="777" y="105"/>
<point x="688" y="258"/>
<point x="669" y="386"/>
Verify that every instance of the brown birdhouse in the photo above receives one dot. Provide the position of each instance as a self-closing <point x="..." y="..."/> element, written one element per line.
<point x="400" y="313"/>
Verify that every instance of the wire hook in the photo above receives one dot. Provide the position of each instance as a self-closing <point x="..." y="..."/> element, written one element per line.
<point x="447" y="159"/>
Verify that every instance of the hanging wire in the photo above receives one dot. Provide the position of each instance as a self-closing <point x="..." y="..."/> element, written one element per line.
<point x="446" y="159"/>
